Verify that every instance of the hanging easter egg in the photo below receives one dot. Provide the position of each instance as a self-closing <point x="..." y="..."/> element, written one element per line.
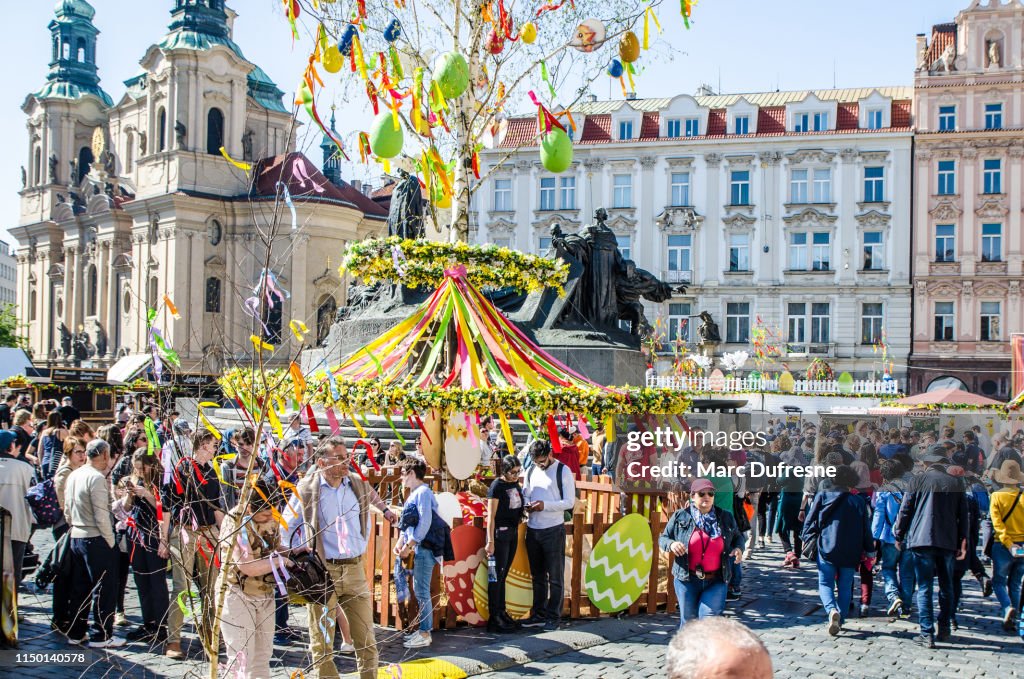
<point x="528" y="33"/>
<point x="588" y="36"/>
<point x="629" y="47"/>
<point x="333" y="61"/>
<point x="620" y="564"/>
<point x="459" y="573"/>
<point x="393" y="31"/>
<point x="296" y="10"/>
<point x="451" y="72"/>
<point x="347" y="36"/>
<point x="385" y="140"/>
<point x="495" y="42"/>
<point x="556" y="151"/>
<point x="615" y="68"/>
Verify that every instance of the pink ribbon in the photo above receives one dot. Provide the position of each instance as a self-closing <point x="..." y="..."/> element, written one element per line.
<point x="332" y="421"/>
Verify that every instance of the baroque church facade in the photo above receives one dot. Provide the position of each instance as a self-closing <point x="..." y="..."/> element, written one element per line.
<point x="128" y="204"/>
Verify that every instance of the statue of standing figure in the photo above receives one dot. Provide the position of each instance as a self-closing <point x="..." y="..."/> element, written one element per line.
<point x="993" y="54"/>
<point x="405" y="218"/>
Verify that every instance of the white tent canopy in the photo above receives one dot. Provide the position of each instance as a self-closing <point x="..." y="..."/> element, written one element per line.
<point x="128" y="368"/>
<point x="13" y="362"/>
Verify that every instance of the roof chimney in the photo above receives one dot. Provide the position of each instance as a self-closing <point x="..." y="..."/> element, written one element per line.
<point x="630" y="96"/>
<point x="705" y="90"/>
<point x="357" y="185"/>
<point x="592" y="98"/>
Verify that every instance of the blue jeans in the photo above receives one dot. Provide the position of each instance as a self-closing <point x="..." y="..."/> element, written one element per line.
<point x="827" y="583"/>
<point x="931" y="563"/>
<point x="1007" y="575"/>
<point x="898" y="574"/>
<point x="699" y="598"/>
<point x="422" y="570"/>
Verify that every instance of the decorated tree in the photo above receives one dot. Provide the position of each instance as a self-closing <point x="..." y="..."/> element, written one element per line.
<point x="441" y="75"/>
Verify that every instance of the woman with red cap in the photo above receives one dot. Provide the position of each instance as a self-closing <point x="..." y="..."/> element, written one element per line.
<point x="702" y="539"/>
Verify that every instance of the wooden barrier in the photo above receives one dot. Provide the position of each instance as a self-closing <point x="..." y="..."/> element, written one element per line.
<point x="599" y="507"/>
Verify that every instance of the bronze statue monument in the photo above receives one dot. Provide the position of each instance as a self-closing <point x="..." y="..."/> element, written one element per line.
<point x="405" y="218"/>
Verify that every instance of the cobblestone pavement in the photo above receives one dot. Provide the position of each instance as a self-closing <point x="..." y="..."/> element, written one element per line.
<point x="781" y="606"/>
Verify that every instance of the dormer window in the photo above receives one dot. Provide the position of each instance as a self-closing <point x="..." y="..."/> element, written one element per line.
<point x="742" y="125"/>
<point x="625" y="130"/>
<point x="692" y="127"/>
<point x="874" y="121"/>
<point x="675" y="128"/>
<point x="820" y="122"/>
<point x="802" y="122"/>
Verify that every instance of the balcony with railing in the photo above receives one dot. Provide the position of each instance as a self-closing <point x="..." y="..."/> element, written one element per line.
<point x="677" y="276"/>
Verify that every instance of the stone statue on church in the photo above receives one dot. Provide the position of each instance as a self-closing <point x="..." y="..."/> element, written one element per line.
<point x="108" y="162"/>
<point x="707" y="332"/>
<point x="143" y="143"/>
<point x="180" y="133"/>
<point x="101" y="340"/>
<point x="82" y="346"/>
<point x="247" y="139"/>
<point x="53" y="168"/>
<point x="405" y="218"/>
<point x="993" y="54"/>
<point x="65" y="340"/>
<point x="24" y="177"/>
<point x="73" y="179"/>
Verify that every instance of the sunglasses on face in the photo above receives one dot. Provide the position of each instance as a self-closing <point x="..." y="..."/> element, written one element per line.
<point x="705" y="493"/>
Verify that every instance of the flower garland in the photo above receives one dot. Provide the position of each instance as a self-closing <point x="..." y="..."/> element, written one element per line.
<point x="371" y="396"/>
<point x="1000" y="408"/>
<point x="421" y="263"/>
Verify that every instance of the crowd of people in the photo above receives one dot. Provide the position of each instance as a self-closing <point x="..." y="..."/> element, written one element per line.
<point x="228" y="515"/>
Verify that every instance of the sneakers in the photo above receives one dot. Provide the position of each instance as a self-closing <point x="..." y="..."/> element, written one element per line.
<point x="173" y="651"/>
<point x="760" y="543"/>
<point x="514" y="624"/>
<point x="550" y="625"/>
<point x="140" y="633"/>
<point x="497" y="625"/>
<point x="110" y="642"/>
<point x="986" y="585"/>
<point x="865" y="610"/>
<point x="534" y="621"/>
<point x="121" y="620"/>
<point x="790" y="558"/>
<point x="418" y="640"/>
<point x="924" y="640"/>
<point x="346" y="647"/>
<point x="895" y="608"/>
<point x="79" y="641"/>
<point x="833" y="623"/>
<point x="1010" y="619"/>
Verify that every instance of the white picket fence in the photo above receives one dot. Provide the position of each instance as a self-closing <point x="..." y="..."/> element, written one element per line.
<point x="758" y="385"/>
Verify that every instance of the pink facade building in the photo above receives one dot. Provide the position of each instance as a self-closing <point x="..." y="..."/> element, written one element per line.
<point x="968" y="240"/>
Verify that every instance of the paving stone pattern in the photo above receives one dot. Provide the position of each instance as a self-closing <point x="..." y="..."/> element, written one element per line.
<point x="781" y="606"/>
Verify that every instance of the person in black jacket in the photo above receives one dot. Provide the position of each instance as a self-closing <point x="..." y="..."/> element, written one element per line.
<point x="841" y="524"/>
<point x="933" y="523"/>
<point x="704" y="542"/>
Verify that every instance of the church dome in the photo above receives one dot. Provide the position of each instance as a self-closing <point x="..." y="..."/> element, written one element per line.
<point x="79" y="8"/>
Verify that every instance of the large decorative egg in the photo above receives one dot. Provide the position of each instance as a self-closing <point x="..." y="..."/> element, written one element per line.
<point x="461" y="452"/>
<point x="431" y="440"/>
<point x="556" y="151"/>
<point x="629" y="47"/>
<point x="495" y="42"/>
<point x="519" y="583"/>
<point x="528" y="32"/>
<point x="347" y="36"/>
<point x="480" y="592"/>
<point x="296" y="10"/>
<point x="615" y="68"/>
<point x="333" y="61"/>
<point x="845" y="383"/>
<point x="620" y="564"/>
<point x="588" y="36"/>
<point x="451" y="72"/>
<point x="459" y="574"/>
<point x="393" y="30"/>
<point x="787" y="383"/>
<point x="448" y="508"/>
<point x="385" y="140"/>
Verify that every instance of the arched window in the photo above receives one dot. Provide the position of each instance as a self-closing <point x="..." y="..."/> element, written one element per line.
<point x="129" y="152"/>
<point x="161" y="130"/>
<point x="92" y="290"/>
<point x="85" y="161"/>
<point x="325" y="313"/>
<point x="214" y="131"/>
<point x="273" y="315"/>
<point x="65" y="50"/>
<point x="56" y="48"/>
<point x="80" y="51"/>
<point x="37" y="167"/>
<point x="32" y="304"/>
<point x="213" y="295"/>
<point x="154" y="292"/>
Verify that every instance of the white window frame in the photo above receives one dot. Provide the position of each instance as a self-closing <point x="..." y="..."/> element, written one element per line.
<point x="567" y="193"/>
<point x="674" y="122"/>
<point x="691" y="127"/>
<point x="502" y="195"/>
<point x="994" y="115"/>
<point x="798" y="247"/>
<point x="819" y="121"/>
<point x="622" y="190"/>
<point x="821" y="322"/>
<point x="947" y="253"/>
<point x="992" y="243"/>
<point x="874" y="118"/>
<point x="821" y="253"/>
<point x="945" y="171"/>
<point x="740" y="243"/>
<point x="992" y="177"/>
<point x="874" y="252"/>
<point x="822" y="185"/>
<point x="739" y="189"/>
<point x="877" y="195"/>
<point x="990" y="322"/>
<point x="872" y="323"/>
<point x="801" y="122"/>
<point x="680" y="253"/>
<point x="947" y="119"/>
<point x="799" y="186"/>
<point x="737" y="324"/>
<point x="680" y="186"/>
<point x="679" y="322"/>
<point x="625" y="130"/>
<point x="796" y="327"/>
<point x="625" y="244"/>
<point x="741" y="124"/>
<point x="948" y="319"/>
<point x="547" y="194"/>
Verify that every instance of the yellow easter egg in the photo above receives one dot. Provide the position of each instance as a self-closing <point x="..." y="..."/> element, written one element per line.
<point x="629" y="47"/>
<point x="528" y="32"/>
<point x="519" y="583"/>
<point x="480" y="591"/>
<point x="333" y="61"/>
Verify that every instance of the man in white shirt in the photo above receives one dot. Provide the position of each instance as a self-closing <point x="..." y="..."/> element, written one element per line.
<point x="15" y="480"/>
<point x="547" y="500"/>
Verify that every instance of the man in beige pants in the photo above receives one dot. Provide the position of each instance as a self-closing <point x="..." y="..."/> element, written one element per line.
<point x="331" y="514"/>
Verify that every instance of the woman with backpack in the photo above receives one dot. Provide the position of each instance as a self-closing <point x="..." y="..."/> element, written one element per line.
<point x="52" y="444"/>
<point x="1007" y="513"/>
<point x="837" y="523"/>
<point x="704" y="542"/>
<point x="506" y="506"/>
<point x="897" y="565"/>
<point x="417" y="517"/>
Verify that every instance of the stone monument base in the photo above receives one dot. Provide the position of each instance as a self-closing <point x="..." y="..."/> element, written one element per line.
<point x="595" y="356"/>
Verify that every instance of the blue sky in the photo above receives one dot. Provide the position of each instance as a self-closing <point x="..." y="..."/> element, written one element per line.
<point x="739" y="45"/>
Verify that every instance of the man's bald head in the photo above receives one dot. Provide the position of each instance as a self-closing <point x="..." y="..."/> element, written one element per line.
<point x="717" y="648"/>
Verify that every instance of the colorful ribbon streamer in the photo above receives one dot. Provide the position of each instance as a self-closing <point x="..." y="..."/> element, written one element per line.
<point x="245" y="167"/>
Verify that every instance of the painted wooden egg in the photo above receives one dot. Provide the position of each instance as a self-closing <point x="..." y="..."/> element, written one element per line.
<point x="459" y="574"/>
<point x="717" y="380"/>
<point x="845" y="383"/>
<point x="480" y="592"/>
<point x="452" y="74"/>
<point x="519" y="583"/>
<point x="629" y="47"/>
<point x="347" y="36"/>
<point x="620" y="564"/>
<point x="385" y="140"/>
<point x="787" y="384"/>
<point x="461" y="452"/>
<point x="528" y="32"/>
<point x="448" y="508"/>
<point x="431" y="440"/>
<point x="556" y="151"/>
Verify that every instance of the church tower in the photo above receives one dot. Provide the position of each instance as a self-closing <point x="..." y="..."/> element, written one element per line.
<point x="332" y="158"/>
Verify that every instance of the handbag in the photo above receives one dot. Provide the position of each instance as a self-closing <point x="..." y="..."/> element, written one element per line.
<point x="308" y="580"/>
<point x="42" y="499"/>
<point x="57" y="562"/>
<point x="739" y="512"/>
<point x="988" y="536"/>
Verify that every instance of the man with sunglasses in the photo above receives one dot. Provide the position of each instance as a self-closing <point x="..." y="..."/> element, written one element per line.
<point x="550" y="491"/>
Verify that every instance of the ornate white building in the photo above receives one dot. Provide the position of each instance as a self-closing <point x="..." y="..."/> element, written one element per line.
<point x="126" y="202"/>
<point x="788" y="208"/>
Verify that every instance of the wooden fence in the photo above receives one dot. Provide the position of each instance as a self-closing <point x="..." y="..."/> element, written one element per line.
<point x="600" y="507"/>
